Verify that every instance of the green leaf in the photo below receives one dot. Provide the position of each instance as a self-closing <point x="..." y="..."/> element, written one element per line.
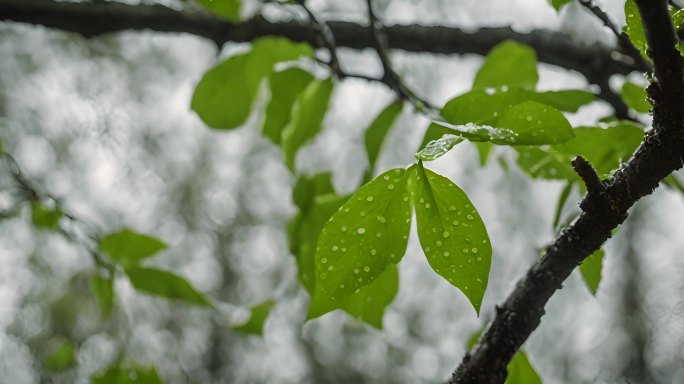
<point x="558" y="4"/>
<point x="369" y="304"/>
<point x="307" y="116"/>
<point x="120" y="375"/>
<point x="61" y="357"/>
<point x="451" y="233"/>
<point x="165" y="284"/>
<point x="227" y="9"/>
<point x="308" y="187"/>
<point x="104" y="291"/>
<point x="562" y="199"/>
<point x="377" y="132"/>
<point x="486" y="106"/>
<point x="129" y="248"/>
<point x="437" y="148"/>
<point x="255" y="324"/>
<point x="285" y="87"/>
<point x="508" y="64"/>
<point x="44" y="217"/>
<point x="545" y="163"/>
<point x="634" y="29"/>
<point x="535" y="124"/>
<point x="307" y="234"/>
<point x="366" y="234"/>
<point x="520" y="371"/>
<point x="483" y="150"/>
<point x="635" y="97"/>
<point x="591" y="270"/>
<point x="223" y="98"/>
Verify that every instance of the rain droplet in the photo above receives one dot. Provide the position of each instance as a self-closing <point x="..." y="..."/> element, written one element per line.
<point x="445" y="234"/>
<point x="356" y="271"/>
<point x="373" y="252"/>
<point x="405" y="198"/>
<point x="330" y="268"/>
<point x="322" y="275"/>
<point x="479" y="258"/>
<point x="344" y="228"/>
<point x="362" y="213"/>
<point x="455" y="222"/>
<point x="465" y="250"/>
<point x="446" y="253"/>
<point x="470" y="217"/>
<point x="366" y="268"/>
<point x="474" y="250"/>
<point x="335" y="248"/>
<point x="439" y="243"/>
<point x="361" y="230"/>
<point x="427" y="205"/>
<point x="344" y="249"/>
<point x="386" y="177"/>
<point x="382" y="219"/>
<point x="528" y="118"/>
<point x="324" y="260"/>
<point x="369" y="198"/>
<point x="391" y="186"/>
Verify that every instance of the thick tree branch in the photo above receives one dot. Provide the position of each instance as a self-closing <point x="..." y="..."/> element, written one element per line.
<point x="661" y="153"/>
<point x="93" y="19"/>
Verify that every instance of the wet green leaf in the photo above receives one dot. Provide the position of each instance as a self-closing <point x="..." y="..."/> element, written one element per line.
<point x="591" y="270"/>
<point x="104" y="291"/>
<point x="508" y="64"/>
<point x="436" y="148"/>
<point x="377" y="132"/>
<point x="224" y="96"/>
<point x="370" y="303"/>
<point x="45" y="217"/>
<point x="227" y="9"/>
<point x="255" y="324"/>
<point x="285" y="87"/>
<point x="61" y="357"/>
<point x="120" y="375"/>
<point x="366" y="234"/>
<point x="635" y="97"/>
<point x="452" y="234"/>
<point x="307" y="116"/>
<point x="535" y="124"/>
<point x="165" y="284"/>
<point x="129" y="248"/>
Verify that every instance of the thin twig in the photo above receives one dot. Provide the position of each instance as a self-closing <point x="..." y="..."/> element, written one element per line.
<point x="622" y="37"/>
<point x="326" y="35"/>
<point x="390" y="77"/>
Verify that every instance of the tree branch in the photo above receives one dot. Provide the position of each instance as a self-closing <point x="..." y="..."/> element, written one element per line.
<point x="661" y="153"/>
<point x="89" y="19"/>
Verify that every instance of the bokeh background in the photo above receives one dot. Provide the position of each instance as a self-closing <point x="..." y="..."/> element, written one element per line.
<point x="104" y="125"/>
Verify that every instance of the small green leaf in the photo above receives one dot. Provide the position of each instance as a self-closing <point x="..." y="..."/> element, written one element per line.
<point x="285" y="87"/>
<point x="634" y="29"/>
<point x="129" y="248"/>
<point x="61" y="357"/>
<point x="591" y="270"/>
<point x="227" y="9"/>
<point x="486" y="106"/>
<point x="508" y="64"/>
<point x="520" y="371"/>
<point x="437" y="148"/>
<point x="224" y="96"/>
<point x="366" y="234"/>
<point x="255" y="324"/>
<point x="451" y="233"/>
<point x="558" y="4"/>
<point x="104" y="291"/>
<point x="377" y="132"/>
<point x="120" y="375"/>
<point x="535" y="124"/>
<point x="308" y="187"/>
<point x="44" y="217"/>
<point x="165" y="284"/>
<point x="545" y="163"/>
<point x="307" y="116"/>
<point x="370" y="303"/>
<point x="307" y="235"/>
<point x="483" y="150"/>
<point x="635" y="97"/>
